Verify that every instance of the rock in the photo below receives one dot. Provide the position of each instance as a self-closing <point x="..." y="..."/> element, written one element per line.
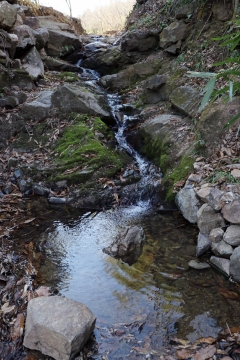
<point x="32" y="22"/>
<point x="155" y="82"/>
<point x="232" y="235"/>
<point x="222" y="12"/>
<point x="214" y="199"/>
<point x="231" y="212"/>
<point x="208" y="219"/>
<point x="33" y="64"/>
<point x="222" y="264"/>
<point x="57" y="326"/>
<point x="41" y="36"/>
<point x="39" y="108"/>
<point x="8" y="15"/>
<point x="19" y="77"/>
<point x="188" y="204"/>
<point x="58" y="200"/>
<point x="70" y="98"/>
<point x="222" y="249"/>
<point x="40" y="190"/>
<point x="236" y="173"/>
<point x="186" y="100"/>
<point x="51" y="22"/>
<point x="198" y="265"/>
<point x="59" y="65"/>
<point x="203" y="244"/>
<point x="176" y="31"/>
<point x="216" y="235"/>
<point x="195" y="178"/>
<point x="127" y="245"/>
<point x="137" y="40"/>
<point x="204" y="193"/>
<point x="228" y="197"/>
<point x="25" y="36"/>
<point x="235" y="264"/>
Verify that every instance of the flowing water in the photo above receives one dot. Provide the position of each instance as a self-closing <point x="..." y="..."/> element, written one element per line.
<point x="142" y="307"/>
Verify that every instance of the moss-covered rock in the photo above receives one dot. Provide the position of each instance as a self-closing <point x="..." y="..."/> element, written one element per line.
<point x="82" y="153"/>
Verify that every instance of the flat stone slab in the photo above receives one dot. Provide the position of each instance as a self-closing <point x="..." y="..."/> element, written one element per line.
<point x="58" y="326"/>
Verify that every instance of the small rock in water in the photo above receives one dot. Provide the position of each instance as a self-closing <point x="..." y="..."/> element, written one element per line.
<point x="128" y="245"/>
<point x="198" y="265"/>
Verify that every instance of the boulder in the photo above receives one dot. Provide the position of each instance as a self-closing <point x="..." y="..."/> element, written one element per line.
<point x="32" y="22"/>
<point x="13" y="44"/>
<point x="176" y="31"/>
<point x="221" y="264"/>
<point x="57" y="326"/>
<point x="222" y="249"/>
<point x="25" y="36"/>
<point x="232" y="235"/>
<point x="17" y="77"/>
<point x="208" y="219"/>
<point x="52" y="23"/>
<point x="127" y="245"/>
<point x="70" y="98"/>
<point x="59" y="65"/>
<point x="188" y="204"/>
<point x="235" y="264"/>
<point x="216" y="235"/>
<point x="138" y="41"/>
<point x="231" y="212"/>
<point x="203" y="244"/>
<point x="41" y="36"/>
<point x="62" y="43"/>
<point x="214" y="199"/>
<point x="8" y="15"/>
<point x="186" y="100"/>
<point x="33" y="64"/>
<point x="39" y="108"/>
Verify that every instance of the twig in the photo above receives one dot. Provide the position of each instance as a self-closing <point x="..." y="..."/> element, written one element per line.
<point x="228" y="329"/>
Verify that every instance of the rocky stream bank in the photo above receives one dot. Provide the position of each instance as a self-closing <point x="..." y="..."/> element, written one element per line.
<point x="58" y="147"/>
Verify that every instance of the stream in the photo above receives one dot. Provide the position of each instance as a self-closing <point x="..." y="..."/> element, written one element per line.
<point x="141" y="308"/>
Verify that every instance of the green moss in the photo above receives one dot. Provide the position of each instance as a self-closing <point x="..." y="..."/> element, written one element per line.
<point x="68" y="76"/>
<point x="82" y="153"/>
<point x="180" y="172"/>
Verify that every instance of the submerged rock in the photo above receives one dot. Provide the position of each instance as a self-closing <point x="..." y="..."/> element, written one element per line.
<point x="57" y="326"/>
<point x="127" y="245"/>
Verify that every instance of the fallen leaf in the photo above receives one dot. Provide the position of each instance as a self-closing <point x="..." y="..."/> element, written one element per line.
<point x="183" y="354"/>
<point x="205" y="353"/>
<point x="18" y="327"/>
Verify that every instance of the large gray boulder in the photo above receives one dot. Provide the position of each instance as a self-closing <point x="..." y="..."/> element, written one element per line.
<point x="186" y="100"/>
<point x="33" y="64"/>
<point x="208" y="219"/>
<point x="39" y="108"/>
<point x="176" y="31"/>
<point x="61" y="43"/>
<point x="25" y="36"/>
<point x="231" y="212"/>
<point x="8" y="15"/>
<point x="188" y="204"/>
<point x="70" y="98"/>
<point x="57" y="326"/>
<point x="127" y="245"/>
<point x="139" y="41"/>
<point x="235" y="264"/>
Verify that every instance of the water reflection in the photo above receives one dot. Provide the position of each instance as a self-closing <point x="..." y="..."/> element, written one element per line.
<point x="155" y="298"/>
